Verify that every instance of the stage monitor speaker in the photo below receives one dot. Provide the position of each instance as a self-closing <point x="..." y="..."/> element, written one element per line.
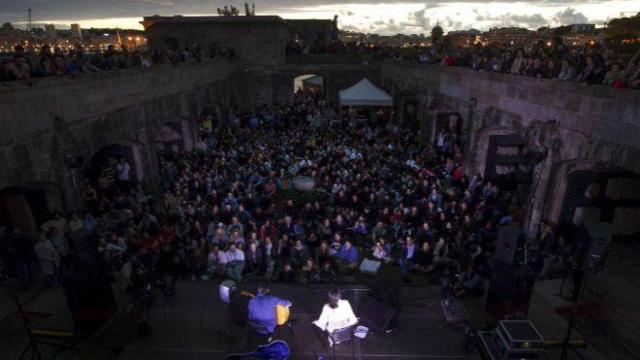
<point x="508" y="242"/>
<point x="90" y="298"/>
<point x="593" y="241"/>
<point x="226" y="291"/>
<point x="377" y="315"/>
<point x="386" y="292"/>
<point x="510" y="291"/>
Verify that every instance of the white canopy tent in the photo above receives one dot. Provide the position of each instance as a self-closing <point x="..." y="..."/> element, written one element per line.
<point x="316" y="80"/>
<point x="365" y="93"/>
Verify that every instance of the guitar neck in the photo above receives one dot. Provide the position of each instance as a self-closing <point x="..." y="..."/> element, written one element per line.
<point x="248" y="356"/>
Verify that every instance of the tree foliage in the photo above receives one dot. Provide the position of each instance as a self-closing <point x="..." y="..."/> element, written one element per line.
<point x="437" y="34"/>
<point x="623" y="28"/>
<point x="228" y="11"/>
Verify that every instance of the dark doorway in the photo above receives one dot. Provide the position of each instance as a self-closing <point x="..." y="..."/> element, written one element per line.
<point x="23" y="208"/>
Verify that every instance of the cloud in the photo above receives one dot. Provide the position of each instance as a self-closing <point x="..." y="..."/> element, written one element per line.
<point x="533" y="21"/>
<point x="417" y="19"/>
<point x="569" y="16"/>
<point x="389" y="27"/>
<point x="157" y="2"/>
<point x="409" y="16"/>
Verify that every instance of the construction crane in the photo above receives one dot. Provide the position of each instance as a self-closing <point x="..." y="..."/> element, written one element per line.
<point x="29" y="23"/>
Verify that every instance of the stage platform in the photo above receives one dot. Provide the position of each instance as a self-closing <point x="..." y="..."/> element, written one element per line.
<point x="186" y="326"/>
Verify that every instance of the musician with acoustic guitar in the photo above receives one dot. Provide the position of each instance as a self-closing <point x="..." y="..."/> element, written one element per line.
<point x="263" y="309"/>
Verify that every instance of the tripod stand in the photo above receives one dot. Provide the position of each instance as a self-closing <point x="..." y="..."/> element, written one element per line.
<point x="32" y="346"/>
<point x="595" y="264"/>
<point x="225" y="335"/>
<point x="37" y="336"/>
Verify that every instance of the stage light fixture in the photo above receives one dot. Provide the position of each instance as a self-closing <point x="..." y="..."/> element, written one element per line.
<point x="226" y="290"/>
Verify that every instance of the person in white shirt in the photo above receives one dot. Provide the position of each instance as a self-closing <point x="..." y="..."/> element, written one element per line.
<point x="336" y="314"/>
<point x="123" y="168"/>
<point x="235" y="262"/>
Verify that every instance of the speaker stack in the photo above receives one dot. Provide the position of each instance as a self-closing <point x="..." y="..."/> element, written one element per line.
<point x="86" y="285"/>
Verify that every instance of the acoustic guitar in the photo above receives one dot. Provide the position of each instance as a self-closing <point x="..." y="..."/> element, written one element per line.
<point x="275" y="350"/>
<point x="282" y="312"/>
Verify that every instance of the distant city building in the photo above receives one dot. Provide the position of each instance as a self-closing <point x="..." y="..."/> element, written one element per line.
<point x="462" y="38"/>
<point x="509" y="35"/>
<point x="76" y="31"/>
<point x="583" y="28"/>
<point x="581" y="34"/>
<point x="51" y="31"/>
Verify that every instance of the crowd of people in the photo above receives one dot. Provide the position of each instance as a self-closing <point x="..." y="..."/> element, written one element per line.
<point x="594" y="64"/>
<point x="23" y="65"/>
<point x="590" y="64"/>
<point x="229" y="208"/>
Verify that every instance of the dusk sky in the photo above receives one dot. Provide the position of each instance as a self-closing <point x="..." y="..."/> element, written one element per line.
<point x="371" y="16"/>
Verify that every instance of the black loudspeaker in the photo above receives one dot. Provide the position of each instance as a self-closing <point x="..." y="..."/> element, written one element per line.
<point x="510" y="291"/>
<point x="377" y="315"/>
<point x="84" y="245"/>
<point x="90" y="298"/>
<point x="508" y="244"/>
<point x="385" y="292"/>
<point x="593" y="241"/>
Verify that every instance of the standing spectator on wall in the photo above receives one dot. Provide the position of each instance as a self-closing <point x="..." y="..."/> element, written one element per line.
<point x="519" y="62"/>
<point x="567" y="70"/>
<point x="550" y="70"/>
<point x="593" y="71"/>
<point x="18" y="69"/>
<point x="633" y="72"/>
<point x="615" y="77"/>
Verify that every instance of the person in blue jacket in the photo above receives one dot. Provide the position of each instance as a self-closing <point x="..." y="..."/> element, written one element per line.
<point x="262" y="308"/>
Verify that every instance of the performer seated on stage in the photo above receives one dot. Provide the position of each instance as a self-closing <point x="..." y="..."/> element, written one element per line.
<point x="262" y="308"/>
<point x="336" y="314"/>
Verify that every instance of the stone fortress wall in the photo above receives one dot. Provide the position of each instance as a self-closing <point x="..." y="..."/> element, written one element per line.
<point x="576" y="127"/>
<point x="53" y="119"/>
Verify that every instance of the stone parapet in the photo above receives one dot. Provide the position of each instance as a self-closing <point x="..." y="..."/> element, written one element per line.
<point x="595" y="112"/>
<point x="31" y="107"/>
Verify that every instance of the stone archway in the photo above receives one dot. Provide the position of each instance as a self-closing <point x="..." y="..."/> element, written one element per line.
<point x="406" y="106"/>
<point x="174" y="136"/>
<point x="477" y="164"/>
<point x="309" y="84"/>
<point x="101" y="167"/>
<point x="449" y="123"/>
<point x="596" y="191"/>
<point x="24" y="208"/>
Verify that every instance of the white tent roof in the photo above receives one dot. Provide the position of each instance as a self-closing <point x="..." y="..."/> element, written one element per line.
<point x="365" y="93"/>
<point x="316" y="80"/>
